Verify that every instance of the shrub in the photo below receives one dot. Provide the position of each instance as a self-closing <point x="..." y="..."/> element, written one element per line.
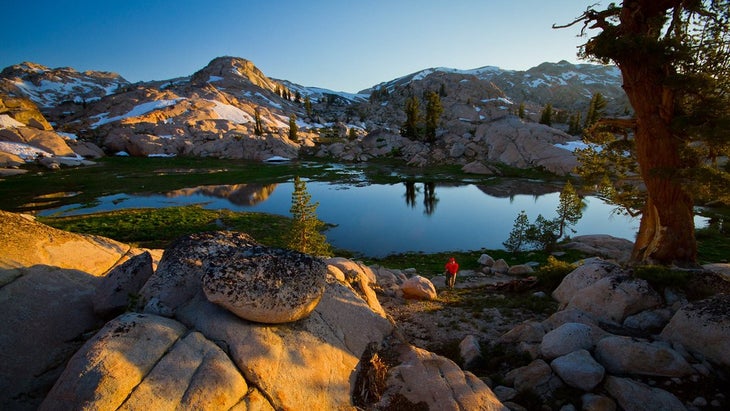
<point x="371" y="381"/>
<point x="552" y="273"/>
<point x="660" y="277"/>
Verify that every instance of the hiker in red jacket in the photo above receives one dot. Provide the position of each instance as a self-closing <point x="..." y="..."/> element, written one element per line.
<point x="452" y="267"/>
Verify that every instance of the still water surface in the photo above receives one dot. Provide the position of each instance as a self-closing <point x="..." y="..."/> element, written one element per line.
<point x="381" y="219"/>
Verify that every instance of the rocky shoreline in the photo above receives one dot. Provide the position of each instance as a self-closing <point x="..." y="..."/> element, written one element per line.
<point x="210" y="325"/>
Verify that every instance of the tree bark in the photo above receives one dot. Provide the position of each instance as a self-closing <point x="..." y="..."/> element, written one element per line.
<point x="666" y="233"/>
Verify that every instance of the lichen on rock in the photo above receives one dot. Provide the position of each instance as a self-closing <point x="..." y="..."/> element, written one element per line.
<point x="267" y="285"/>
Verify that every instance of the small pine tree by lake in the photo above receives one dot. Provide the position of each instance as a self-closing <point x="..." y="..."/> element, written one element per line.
<point x="305" y="235"/>
<point x="545" y="233"/>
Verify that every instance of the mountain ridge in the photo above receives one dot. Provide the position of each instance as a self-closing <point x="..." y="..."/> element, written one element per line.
<point x="231" y="109"/>
<point x="487" y="73"/>
<point x="48" y="87"/>
<point x="544" y="78"/>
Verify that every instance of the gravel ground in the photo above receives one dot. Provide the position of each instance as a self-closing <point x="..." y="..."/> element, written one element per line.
<point x="479" y="305"/>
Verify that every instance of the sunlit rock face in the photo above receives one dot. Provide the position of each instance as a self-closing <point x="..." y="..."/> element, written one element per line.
<point x="211" y="114"/>
<point x="24" y="111"/>
<point x="234" y="72"/>
<point x="26" y="243"/>
<point x="26" y="136"/>
<point x="47" y="143"/>
<point x="47" y="282"/>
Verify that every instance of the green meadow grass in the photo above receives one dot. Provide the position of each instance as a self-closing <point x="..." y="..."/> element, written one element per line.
<point x="158" y="227"/>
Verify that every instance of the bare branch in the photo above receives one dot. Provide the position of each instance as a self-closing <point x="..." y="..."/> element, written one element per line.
<point x="596" y="19"/>
<point x="577" y="20"/>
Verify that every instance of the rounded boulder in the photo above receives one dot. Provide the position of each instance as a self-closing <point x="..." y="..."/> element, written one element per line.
<point x="266" y="285"/>
<point x="419" y="288"/>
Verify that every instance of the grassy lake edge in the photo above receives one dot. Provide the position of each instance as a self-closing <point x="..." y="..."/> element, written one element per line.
<point x="41" y="188"/>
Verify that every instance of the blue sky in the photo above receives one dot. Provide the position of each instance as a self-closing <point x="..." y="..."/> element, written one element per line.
<point x="343" y="45"/>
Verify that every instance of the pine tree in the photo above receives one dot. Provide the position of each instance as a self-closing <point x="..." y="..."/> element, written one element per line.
<point x="434" y="109"/>
<point x="308" y="106"/>
<point x="560" y="116"/>
<point x="413" y="117"/>
<point x="257" y="128"/>
<point x="574" y="127"/>
<point x="570" y="209"/>
<point x="596" y="108"/>
<point x="518" y="236"/>
<point x="521" y="111"/>
<point x="379" y="94"/>
<point x="546" y="117"/>
<point x="305" y="235"/>
<point x="544" y="233"/>
<point x="293" y="128"/>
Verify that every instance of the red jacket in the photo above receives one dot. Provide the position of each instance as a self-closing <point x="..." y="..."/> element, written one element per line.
<point x="452" y="266"/>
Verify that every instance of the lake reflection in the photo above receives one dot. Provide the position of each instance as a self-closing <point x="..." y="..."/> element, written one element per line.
<point x="381" y="219"/>
<point x="238" y="194"/>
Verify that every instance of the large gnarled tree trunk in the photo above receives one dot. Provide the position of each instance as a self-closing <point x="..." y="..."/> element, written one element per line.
<point x="666" y="233"/>
<point x="675" y="62"/>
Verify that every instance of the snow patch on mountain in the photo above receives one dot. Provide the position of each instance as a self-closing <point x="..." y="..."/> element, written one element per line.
<point x="231" y="113"/>
<point x="317" y="93"/>
<point x="24" y="151"/>
<point x="68" y="136"/>
<point x="537" y="83"/>
<point x="7" y="122"/>
<point x="138" y="110"/>
<point x="572" y="145"/>
<point x="278" y="121"/>
<point x="478" y="72"/>
<point x="498" y="99"/>
<point x="50" y="93"/>
<point x="268" y="101"/>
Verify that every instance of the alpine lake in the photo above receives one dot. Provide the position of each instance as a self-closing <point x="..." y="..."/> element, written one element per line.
<point x="371" y="210"/>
